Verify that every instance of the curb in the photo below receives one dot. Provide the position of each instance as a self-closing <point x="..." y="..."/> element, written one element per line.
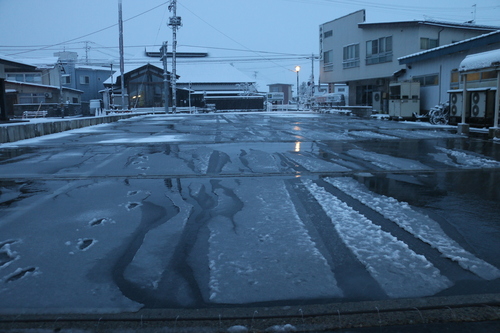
<point x="22" y="131"/>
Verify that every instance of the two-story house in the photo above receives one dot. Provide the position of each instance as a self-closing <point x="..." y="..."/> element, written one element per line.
<point x="365" y="55"/>
<point x="32" y="87"/>
<point x="85" y="77"/>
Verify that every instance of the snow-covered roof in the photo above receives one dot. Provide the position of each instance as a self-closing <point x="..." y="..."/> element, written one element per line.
<point x="491" y="37"/>
<point x="127" y="69"/>
<point x="15" y="61"/>
<point x="466" y="25"/>
<point x="484" y="60"/>
<point x="95" y="68"/>
<point x="42" y="86"/>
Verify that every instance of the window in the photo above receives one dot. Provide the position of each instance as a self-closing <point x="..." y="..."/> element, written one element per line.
<point x="473" y="77"/>
<point x="26" y="98"/>
<point x="328" y="60"/>
<point x="427" y="80"/>
<point x="489" y="75"/>
<point x="428" y="43"/>
<point x="328" y="33"/>
<point x="351" y="56"/>
<point x="379" y="50"/>
<point x="33" y="78"/>
<point x="327" y="57"/>
<point x="84" y="79"/>
<point x="66" y="79"/>
<point x="25" y="77"/>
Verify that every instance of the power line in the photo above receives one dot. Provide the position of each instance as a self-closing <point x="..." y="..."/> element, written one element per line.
<point x="89" y="34"/>
<point x="232" y="39"/>
<point x="99" y="46"/>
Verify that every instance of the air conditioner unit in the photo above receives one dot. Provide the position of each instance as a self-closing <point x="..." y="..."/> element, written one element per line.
<point x="456" y="103"/>
<point x="478" y="104"/>
<point x="48" y="95"/>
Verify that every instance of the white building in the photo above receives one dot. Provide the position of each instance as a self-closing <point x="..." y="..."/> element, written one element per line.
<point x="437" y="69"/>
<point x="365" y="55"/>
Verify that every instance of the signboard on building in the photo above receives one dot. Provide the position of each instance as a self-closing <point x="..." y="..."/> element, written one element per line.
<point x="275" y="97"/>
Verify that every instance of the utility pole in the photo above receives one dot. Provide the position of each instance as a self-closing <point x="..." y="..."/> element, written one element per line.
<point x="122" y="62"/>
<point x="165" y="74"/>
<point x="61" y="100"/>
<point x="312" y="77"/>
<point x="87" y="49"/>
<point x="175" y="23"/>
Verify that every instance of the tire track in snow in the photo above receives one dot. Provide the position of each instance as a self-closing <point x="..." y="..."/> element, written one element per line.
<point x="265" y="253"/>
<point x="419" y="225"/>
<point x="398" y="269"/>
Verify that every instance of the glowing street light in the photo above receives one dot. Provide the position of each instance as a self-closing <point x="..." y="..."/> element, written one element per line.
<point x="297" y="70"/>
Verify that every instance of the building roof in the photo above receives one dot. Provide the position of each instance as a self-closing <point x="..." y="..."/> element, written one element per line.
<point x="467" y="25"/>
<point x="10" y="63"/>
<point x="93" y="68"/>
<point x="467" y="44"/>
<point x="42" y="86"/>
<point x="478" y="61"/>
<point x="127" y="69"/>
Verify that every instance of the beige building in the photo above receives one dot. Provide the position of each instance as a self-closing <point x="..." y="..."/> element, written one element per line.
<point x="365" y="55"/>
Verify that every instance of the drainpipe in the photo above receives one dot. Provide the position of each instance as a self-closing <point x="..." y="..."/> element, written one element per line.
<point x="463" y="128"/>
<point x="439" y="36"/>
<point x="497" y="101"/>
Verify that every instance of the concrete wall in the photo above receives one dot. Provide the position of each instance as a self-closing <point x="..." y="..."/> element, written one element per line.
<point x="22" y="131"/>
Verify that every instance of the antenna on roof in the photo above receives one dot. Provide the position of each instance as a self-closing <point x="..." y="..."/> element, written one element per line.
<point x="474" y="13"/>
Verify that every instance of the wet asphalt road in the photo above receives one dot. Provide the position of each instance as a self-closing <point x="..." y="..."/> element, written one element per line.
<point x="184" y="211"/>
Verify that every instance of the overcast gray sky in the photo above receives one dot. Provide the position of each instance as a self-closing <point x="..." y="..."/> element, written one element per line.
<point x="284" y="31"/>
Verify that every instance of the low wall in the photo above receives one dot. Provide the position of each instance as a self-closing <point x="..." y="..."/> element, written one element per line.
<point x="21" y="131"/>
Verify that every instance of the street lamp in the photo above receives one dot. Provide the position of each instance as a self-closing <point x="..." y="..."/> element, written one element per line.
<point x="297" y="69"/>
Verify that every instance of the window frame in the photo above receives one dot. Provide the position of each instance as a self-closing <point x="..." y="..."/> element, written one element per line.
<point x="379" y="50"/>
<point x="427" y="80"/>
<point x="328" y="60"/>
<point x="66" y="79"/>
<point x="350" y="56"/>
<point x="84" y="79"/>
<point x="427" y="43"/>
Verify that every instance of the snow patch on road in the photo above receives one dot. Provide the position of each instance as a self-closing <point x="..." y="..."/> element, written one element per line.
<point x="419" y="225"/>
<point x="462" y="159"/>
<point x="372" y="135"/>
<point x="387" y="162"/>
<point x="399" y="270"/>
<point x="152" y="258"/>
<point x="314" y="164"/>
<point x="265" y="252"/>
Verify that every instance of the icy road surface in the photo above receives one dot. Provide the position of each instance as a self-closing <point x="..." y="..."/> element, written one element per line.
<point x="192" y="211"/>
